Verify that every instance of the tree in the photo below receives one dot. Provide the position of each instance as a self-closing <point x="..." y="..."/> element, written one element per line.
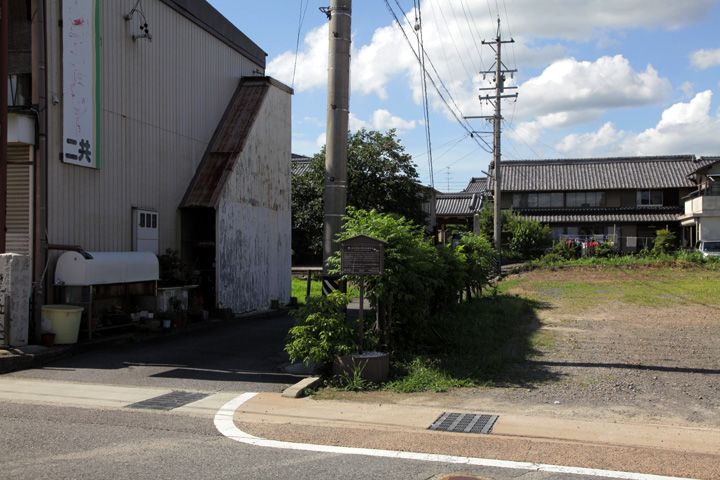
<point x="522" y="237"/>
<point x="380" y="176"/>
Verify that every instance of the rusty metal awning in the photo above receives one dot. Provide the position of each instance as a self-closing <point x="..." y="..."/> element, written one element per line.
<point x="227" y="143"/>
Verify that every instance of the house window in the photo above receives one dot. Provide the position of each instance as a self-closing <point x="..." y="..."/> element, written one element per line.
<point x="537" y="200"/>
<point x="585" y="199"/>
<point x="650" y="198"/>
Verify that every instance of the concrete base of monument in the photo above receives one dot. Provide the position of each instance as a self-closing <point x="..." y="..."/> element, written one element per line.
<point x="372" y="366"/>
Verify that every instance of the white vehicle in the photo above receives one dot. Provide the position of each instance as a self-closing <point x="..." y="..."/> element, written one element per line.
<point x="709" y="247"/>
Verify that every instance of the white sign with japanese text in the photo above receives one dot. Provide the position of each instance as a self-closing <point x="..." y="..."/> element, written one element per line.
<point x="81" y="100"/>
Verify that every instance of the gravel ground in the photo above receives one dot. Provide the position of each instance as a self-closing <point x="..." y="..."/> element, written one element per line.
<point x="606" y="359"/>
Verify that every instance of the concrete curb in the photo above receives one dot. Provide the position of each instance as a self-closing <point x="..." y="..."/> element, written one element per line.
<point x="298" y="390"/>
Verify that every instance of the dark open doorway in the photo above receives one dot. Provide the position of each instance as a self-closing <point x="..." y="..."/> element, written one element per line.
<point x="198" y="251"/>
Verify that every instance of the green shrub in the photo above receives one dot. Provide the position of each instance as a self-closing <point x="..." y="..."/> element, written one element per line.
<point x="321" y="331"/>
<point x="419" y="279"/>
<point x="605" y="250"/>
<point x="664" y="242"/>
<point x="529" y="238"/>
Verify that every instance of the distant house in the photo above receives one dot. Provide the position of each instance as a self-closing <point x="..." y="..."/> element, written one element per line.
<point x="146" y="126"/>
<point x="621" y="200"/>
<point x="701" y="216"/>
<point x="457" y="209"/>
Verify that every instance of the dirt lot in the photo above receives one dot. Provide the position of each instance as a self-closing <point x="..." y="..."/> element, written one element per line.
<point x="617" y="343"/>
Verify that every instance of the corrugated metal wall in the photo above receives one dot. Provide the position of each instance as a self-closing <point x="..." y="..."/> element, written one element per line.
<point x="161" y="101"/>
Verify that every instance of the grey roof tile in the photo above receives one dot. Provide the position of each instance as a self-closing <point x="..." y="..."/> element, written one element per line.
<point x="597" y="174"/>
<point x="594" y="215"/>
<point x="457" y="203"/>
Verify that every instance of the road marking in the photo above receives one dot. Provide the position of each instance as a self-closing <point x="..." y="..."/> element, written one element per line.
<point x="224" y="422"/>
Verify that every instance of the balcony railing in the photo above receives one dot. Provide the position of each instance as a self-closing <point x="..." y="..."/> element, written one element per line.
<point x="20" y="90"/>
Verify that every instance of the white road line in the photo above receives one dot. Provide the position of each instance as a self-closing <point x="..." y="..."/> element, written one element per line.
<point x="225" y="424"/>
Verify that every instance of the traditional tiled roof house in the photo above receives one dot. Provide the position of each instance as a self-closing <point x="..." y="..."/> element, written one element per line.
<point x="624" y="200"/>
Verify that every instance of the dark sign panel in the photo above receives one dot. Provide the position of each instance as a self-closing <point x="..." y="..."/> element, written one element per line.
<point x="361" y="255"/>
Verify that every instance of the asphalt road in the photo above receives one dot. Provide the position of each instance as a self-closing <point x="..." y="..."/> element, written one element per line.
<point x="65" y="432"/>
<point x="241" y="355"/>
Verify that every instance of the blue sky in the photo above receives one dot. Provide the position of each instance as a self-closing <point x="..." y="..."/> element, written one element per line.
<point x="595" y="78"/>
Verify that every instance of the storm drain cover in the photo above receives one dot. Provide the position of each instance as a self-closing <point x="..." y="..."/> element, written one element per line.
<point x="464" y="423"/>
<point x="169" y="401"/>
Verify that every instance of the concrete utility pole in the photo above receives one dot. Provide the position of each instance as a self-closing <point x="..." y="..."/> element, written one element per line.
<point x="495" y="100"/>
<point x="4" y="42"/>
<point x="336" y="149"/>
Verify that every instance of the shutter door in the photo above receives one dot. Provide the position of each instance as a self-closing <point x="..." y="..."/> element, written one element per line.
<point x="19" y="200"/>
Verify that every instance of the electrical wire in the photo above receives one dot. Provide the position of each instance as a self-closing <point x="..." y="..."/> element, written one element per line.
<point x="301" y="20"/>
<point x="423" y="75"/>
<point x="465" y="126"/>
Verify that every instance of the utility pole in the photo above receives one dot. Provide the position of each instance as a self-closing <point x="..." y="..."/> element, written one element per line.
<point x="336" y="148"/>
<point x="4" y="39"/>
<point x="495" y="100"/>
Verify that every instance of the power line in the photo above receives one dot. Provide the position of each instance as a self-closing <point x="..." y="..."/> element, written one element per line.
<point x="301" y="20"/>
<point x="465" y="126"/>
<point x="423" y="81"/>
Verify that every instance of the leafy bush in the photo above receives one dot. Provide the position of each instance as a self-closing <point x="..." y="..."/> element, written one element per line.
<point x="605" y="250"/>
<point x="529" y="238"/>
<point x="664" y="242"/>
<point x="419" y="279"/>
<point x="321" y="331"/>
<point x="565" y="250"/>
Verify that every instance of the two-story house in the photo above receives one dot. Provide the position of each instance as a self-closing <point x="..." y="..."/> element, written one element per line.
<point x="701" y="217"/>
<point x="622" y="200"/>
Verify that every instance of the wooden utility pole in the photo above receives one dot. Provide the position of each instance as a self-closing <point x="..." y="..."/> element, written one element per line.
<point x="495" y="100"/>
<point x="336" y="148"/>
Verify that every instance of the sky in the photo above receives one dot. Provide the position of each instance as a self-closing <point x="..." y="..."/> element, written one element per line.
<point x="594" y="78"/>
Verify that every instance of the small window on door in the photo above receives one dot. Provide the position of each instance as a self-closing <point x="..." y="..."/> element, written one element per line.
<point x="145" y="231"/>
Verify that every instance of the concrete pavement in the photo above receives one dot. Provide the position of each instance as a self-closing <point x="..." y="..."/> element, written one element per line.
<point x="580" y="446"/>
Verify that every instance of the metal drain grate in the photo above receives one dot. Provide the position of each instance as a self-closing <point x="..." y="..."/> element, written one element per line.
<point x="464" y="423"/>
<point x="169" y="401"/>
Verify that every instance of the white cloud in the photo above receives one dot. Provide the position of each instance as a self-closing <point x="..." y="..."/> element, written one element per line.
<point x="321" y="140"/>
<point x="311" y="64"/>
<point x="376" y="64"/>
<point x="688" y="89"/>
<point x="683" y="128"/>
<point x="570" y="19"/>
<point x="703" y="59"/>
<point x="589" y="144"/>
<point x="384" y="120"/>
<point x="355" y="124"/>
<point x="569" y="92"/>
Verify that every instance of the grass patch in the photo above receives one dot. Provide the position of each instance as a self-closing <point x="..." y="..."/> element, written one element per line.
<point x="420" y="374"/>
<point x="299" y="289"/>
<point x="471" y="345"/>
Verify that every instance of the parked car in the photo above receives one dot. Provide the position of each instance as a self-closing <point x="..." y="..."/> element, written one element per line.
<point x="709" y="247"/>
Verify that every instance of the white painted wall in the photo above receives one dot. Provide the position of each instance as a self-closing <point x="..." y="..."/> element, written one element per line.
<point x="253" y="215"/>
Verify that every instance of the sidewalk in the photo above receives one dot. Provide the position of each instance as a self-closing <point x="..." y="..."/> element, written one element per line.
<point x="656" y="449"/>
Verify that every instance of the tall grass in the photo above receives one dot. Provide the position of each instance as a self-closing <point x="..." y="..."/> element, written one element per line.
<point x="471" y="344"/>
